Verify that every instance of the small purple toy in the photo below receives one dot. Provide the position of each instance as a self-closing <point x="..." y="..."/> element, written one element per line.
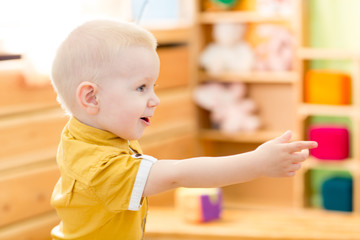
<point x="199" y="205"/>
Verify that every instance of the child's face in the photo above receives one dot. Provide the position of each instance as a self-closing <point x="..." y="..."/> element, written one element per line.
<point x="127" y="98"/>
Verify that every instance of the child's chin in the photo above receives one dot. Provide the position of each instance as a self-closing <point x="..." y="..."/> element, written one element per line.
<point x="137" y="136"/>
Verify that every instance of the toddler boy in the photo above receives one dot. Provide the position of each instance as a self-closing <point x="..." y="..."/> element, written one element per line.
<point x="104" y="73"/>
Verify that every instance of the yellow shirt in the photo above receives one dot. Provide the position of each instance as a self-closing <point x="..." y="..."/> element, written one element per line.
<point x="92" y="196"/>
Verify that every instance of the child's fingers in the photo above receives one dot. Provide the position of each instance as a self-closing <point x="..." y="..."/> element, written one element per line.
<point x="300" y="145"/>
<point x="294" y="167"/>
<point x="284" y="138"/>
<point x="305" y="152"/>
<point x="300" y="156"/>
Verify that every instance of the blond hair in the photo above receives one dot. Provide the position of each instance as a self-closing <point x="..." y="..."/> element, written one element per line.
<point x="88" y="49"/>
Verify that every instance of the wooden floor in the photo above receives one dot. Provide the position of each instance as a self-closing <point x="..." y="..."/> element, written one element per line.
<point x="246" y="224"/>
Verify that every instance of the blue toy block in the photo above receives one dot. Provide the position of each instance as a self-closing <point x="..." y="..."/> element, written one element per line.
<point x="337" y="194"/>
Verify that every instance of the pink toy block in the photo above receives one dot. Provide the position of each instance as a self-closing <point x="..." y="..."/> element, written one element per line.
<point x="198" y="205"/>
<point x="333" y="141"/>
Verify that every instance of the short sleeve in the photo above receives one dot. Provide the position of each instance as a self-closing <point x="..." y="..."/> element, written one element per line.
<point x="114" y="179"/>
<point x="140" y="180"/>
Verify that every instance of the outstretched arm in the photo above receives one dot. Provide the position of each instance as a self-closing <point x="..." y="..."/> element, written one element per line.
<point x="276" y="158"/>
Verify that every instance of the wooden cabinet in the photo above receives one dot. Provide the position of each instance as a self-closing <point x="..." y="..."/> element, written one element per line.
<point x="31" y="122"/>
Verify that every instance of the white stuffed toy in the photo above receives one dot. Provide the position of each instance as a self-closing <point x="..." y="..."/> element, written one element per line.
<point x="229" y="52"/>
<point x="277" y="52"/>
<point x="229" y="110"/>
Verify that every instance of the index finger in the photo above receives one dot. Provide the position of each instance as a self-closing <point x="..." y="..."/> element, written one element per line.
<point x="300" y="145"/>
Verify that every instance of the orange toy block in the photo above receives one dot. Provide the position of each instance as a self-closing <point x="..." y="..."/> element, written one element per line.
<point x="327" y="87"/>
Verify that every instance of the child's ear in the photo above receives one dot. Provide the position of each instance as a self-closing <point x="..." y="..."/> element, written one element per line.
<point x="86" y="95"/>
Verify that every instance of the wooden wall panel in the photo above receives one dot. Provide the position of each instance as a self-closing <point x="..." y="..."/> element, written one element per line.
<point x="27" y="194"/>
<point x="19" y="97"/>
<point x="29" y="133"/>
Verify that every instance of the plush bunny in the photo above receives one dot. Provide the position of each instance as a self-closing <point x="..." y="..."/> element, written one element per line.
<point x="229" y="52"/>
<point x="229" y="108"/>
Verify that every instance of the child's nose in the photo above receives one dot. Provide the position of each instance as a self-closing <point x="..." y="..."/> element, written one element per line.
<point x="154" y="101"/>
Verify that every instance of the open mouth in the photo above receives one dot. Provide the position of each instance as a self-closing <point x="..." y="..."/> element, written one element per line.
<point x="145" y="119"/>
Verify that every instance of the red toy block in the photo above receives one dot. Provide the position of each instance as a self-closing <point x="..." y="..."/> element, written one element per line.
<point x="333" y="141"/>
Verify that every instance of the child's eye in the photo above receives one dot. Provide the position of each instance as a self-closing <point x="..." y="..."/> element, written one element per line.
<point x="141" y="88"/>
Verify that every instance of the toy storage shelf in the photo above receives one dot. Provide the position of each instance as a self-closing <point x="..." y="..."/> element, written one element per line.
<point x="293" y="82"/>
<point x="318" y="109"/>
<point x="307" y="110"/>
<point x="238" y="16"/>
<point x="251" y="77"/>
<point x="351" y="111"/>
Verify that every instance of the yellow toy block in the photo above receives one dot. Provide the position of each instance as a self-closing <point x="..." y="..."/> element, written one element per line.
<point x="327" y="87"/>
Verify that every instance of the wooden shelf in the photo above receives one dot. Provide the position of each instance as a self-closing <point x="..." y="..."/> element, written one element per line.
<point x="178" y="34"/>
<point x="250" y="137"/>
<point x="331" y="54"/>
<point x="238" y="16"/>
<point x="251" y="77"/>
<point x="350" y="164"/>
<point x="318" y="109"/>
